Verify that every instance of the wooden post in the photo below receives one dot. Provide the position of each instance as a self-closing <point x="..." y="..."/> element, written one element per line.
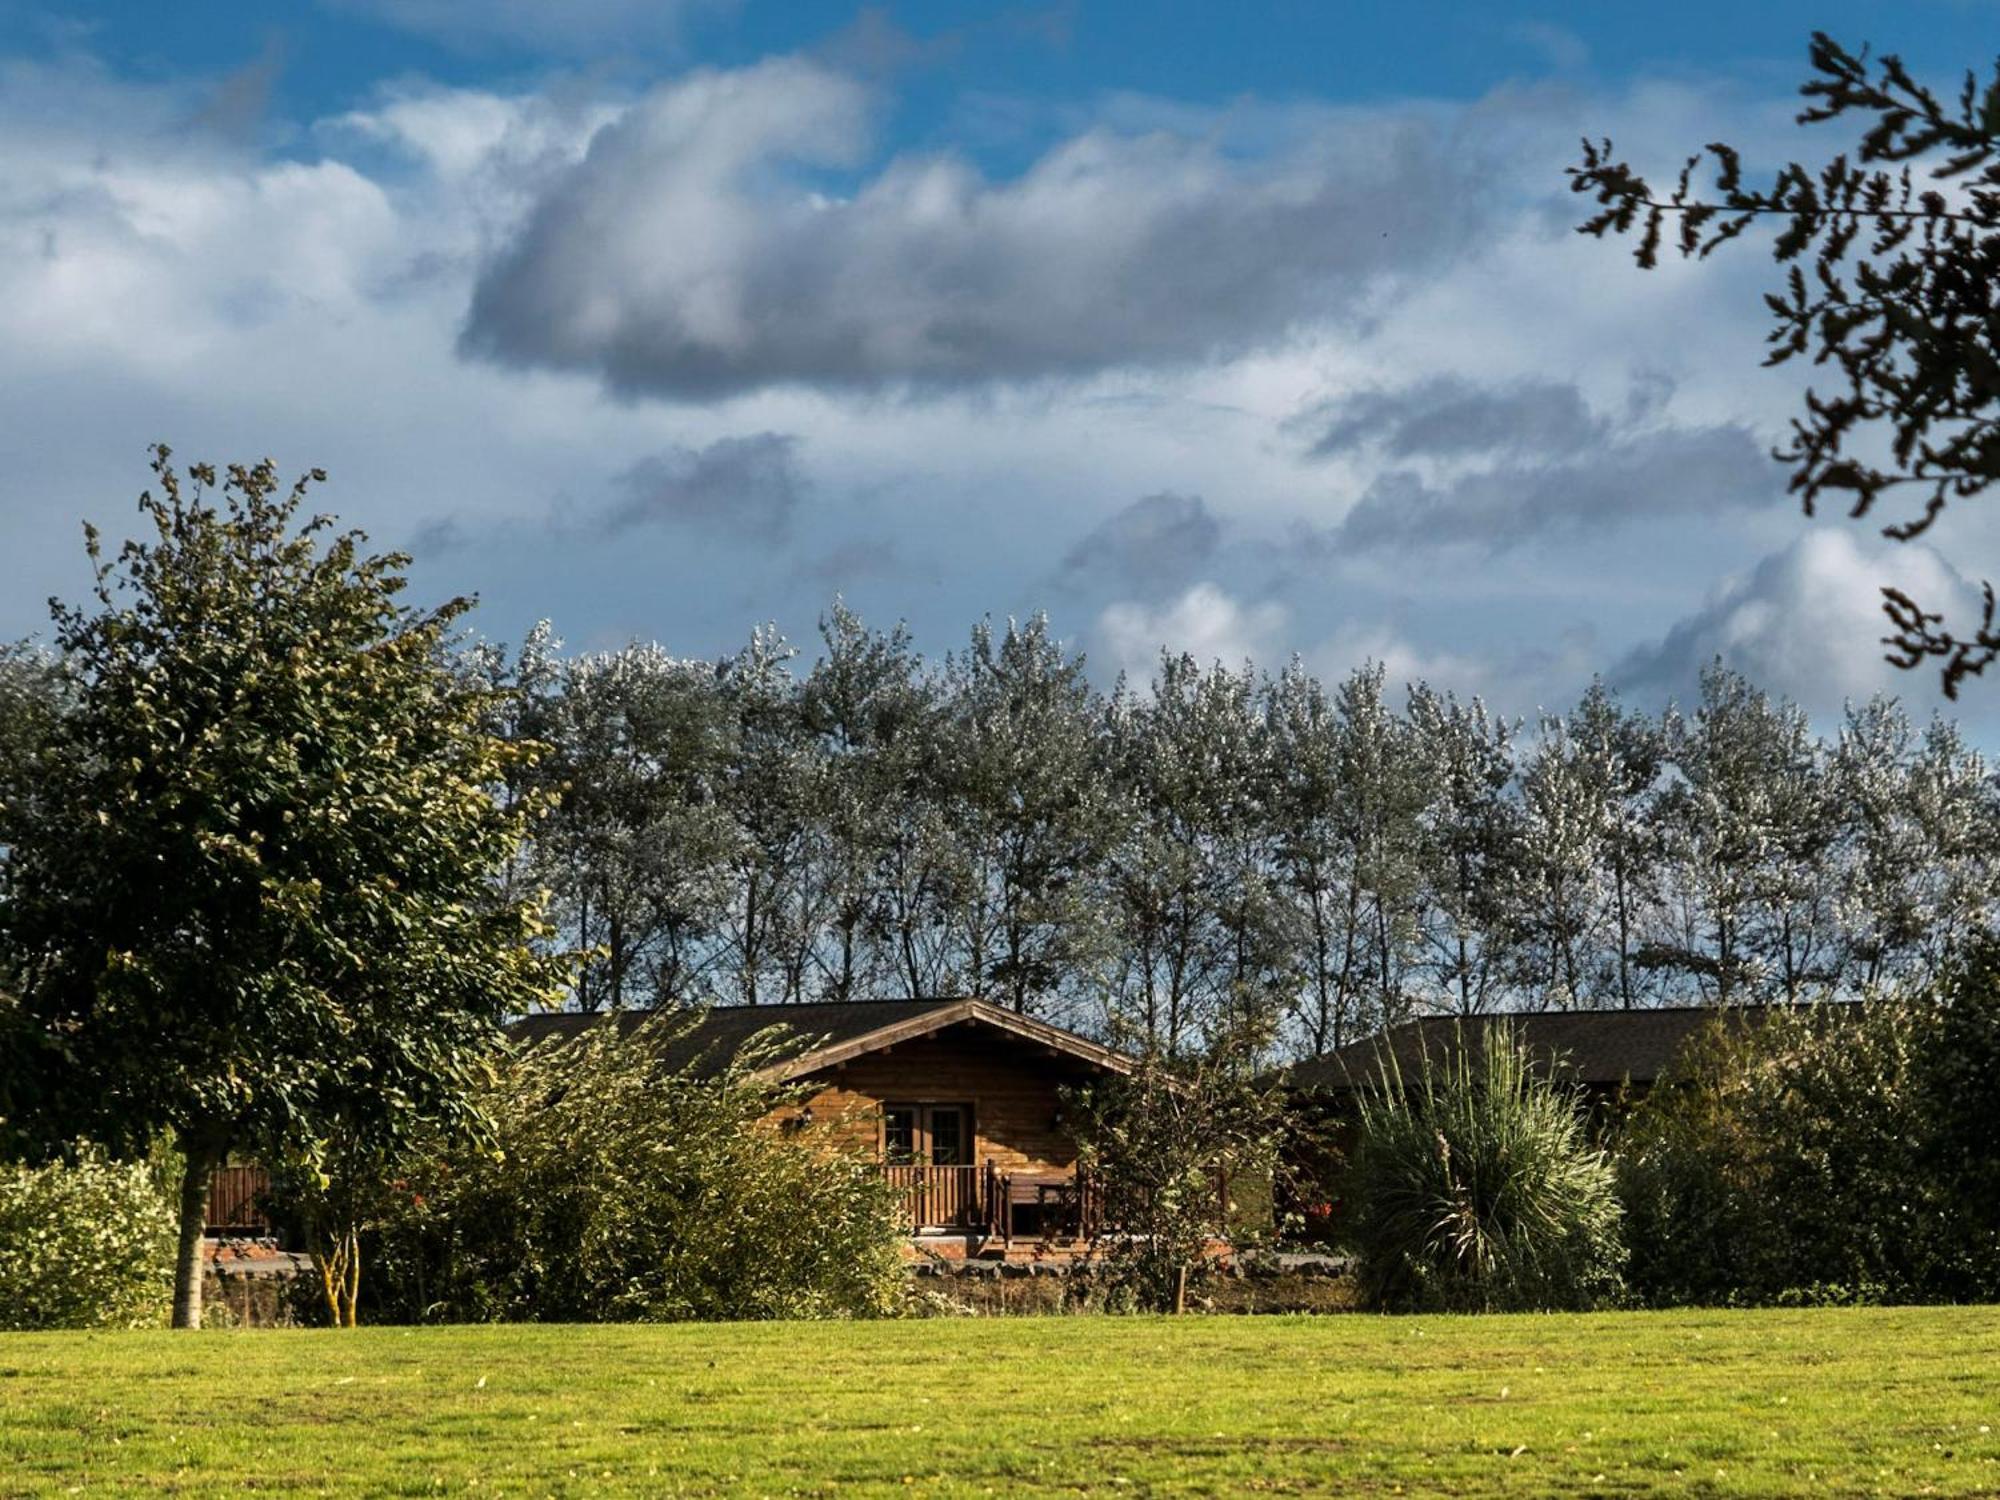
<point x="1180" y="1290"/>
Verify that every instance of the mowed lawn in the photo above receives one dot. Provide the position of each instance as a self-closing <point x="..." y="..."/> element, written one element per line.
<point x="1891" y="1402"/>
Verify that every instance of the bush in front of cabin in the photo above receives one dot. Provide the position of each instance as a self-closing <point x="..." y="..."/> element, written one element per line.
<point x="1833" y="1152"/>
<point x="84" y="1243"/>
<point x="1476" y="1187"/>
<point x="617" y="1188"/>
<point x="1181" y="1155"/>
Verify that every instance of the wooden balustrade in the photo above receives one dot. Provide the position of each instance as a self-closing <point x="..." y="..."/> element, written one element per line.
<point x="941" y="1197"/>
<point x="1002" y="1204"/>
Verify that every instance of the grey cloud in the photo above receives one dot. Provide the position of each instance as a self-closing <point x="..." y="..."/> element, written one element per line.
<point x="1450" y="417"/>
<point x="687" y="256"/>
<point x="872" y="43"/>
<point x="852" y="562"/>
<point x="438" y="536"/>
<point x="1157" y="543"/>
<point x="235" y="108"/>
<point x="744" y="486"/>
<point x="1492" y="467"/>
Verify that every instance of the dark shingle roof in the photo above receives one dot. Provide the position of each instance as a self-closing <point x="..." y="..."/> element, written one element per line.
<point x="827" y="1033"/>
<point x="718" y="1034"/>
<point x="1602" y="1048"/>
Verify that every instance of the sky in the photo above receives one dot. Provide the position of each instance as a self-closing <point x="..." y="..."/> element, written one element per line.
<point x="1250" y="331"/>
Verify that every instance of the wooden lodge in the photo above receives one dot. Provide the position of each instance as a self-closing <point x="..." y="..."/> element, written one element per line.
<point x="959" y="1101"/>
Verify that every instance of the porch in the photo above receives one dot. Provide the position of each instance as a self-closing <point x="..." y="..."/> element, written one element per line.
<point x="984" y="1201"/>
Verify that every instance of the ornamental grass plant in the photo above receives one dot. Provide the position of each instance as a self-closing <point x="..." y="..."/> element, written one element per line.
<point x="1477" y="1187"/>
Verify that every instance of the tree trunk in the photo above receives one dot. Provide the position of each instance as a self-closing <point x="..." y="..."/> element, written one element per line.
<point x="351" y="1292"/>
<point x="1624" y="942"/>
<point x="188" y="1259"/>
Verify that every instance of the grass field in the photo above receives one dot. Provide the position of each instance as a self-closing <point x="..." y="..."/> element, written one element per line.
<point x="1891" y="1402"/>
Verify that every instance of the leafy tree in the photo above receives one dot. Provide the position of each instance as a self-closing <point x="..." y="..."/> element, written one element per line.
<point x="1471" y="846"/>
<point x="31" y="703"/>
<point x="875" y="718"/>
<point x="1322" y="832"/>
<point x="1162" y="1149"/>
<point x="1586" y="878"/>
<point x="1557" y="897"/>
<point x="1914" y="866"/>
<point x="1387" y="793"/>
<point x="1828" y="1151"/>
<point x="1883" y="846"/>
<point x="768" y="795"/>
<point x="1625" y="752"/>
<point x="1890" y="263"/>
<point x="254" y="884"/>
<point x="1208" y="933"/>
<point x="1687" y="1177"/>
<point x="1748" y="826"/>
<point x="1962" y="1079"/>
<point x="636" y="845"/>
<point x="1033" y="813"/>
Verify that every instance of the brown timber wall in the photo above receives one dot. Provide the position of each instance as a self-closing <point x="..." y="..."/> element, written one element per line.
<point x="1012" y="1085"/>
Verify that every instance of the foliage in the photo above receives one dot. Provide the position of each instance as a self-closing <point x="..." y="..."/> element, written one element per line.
<point x="1891" y="259"/>
<point x="619" y="1187"/>
<point x="31" y="704"/>
<point x="1962" y="1078"/>
<point x="1476" y="1186"/>
<point x="250" y="887"/>
<point x="1821" y="1148"/>
<point x="1208" y="939"/>
<point x="86" y="1242"/>
<point x="332" y="1195"/>
<point x="1223" y="848"/>
<point x="1780" y="1402"/>
<point x="1346" y="810"/>
<point x="1166" y="1149"/>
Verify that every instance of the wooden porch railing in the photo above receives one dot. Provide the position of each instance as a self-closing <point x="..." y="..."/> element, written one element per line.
<point x="942" y="1197"/>
<point x="987" y="1200"/>
<point x="236" y="1199"/>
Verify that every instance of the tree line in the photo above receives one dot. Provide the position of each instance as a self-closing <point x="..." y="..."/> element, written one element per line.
<point x="1222" y="847"/>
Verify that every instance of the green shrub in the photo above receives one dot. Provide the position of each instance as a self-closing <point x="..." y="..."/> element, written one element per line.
<point x="1476" y="1187"/>
<point x="1962" y="1078"/>
<point x="619" y="1189"/>
<point x="1182" y="1154"/>
<point x="1833" y="1146"/>
<point x="87" y="1243"/>
<point x="1687" y="1178"/>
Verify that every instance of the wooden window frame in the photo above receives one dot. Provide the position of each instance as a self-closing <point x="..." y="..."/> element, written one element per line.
<point x="921" y="1146"/>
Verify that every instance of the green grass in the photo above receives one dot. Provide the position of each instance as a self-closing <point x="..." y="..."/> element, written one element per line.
<point x="1892" y="1402"/>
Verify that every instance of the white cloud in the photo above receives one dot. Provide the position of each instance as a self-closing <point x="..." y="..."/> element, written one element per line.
<point x="1404" y="663"/>
<point x="1806" y="621"/>
<point x="1204" y="623"/>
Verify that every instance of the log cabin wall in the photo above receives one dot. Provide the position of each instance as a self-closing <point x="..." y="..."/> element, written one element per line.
<point x="1013" y="1086"/>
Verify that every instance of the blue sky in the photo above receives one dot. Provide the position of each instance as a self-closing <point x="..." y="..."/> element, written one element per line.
<point x="1248" y="330"/>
